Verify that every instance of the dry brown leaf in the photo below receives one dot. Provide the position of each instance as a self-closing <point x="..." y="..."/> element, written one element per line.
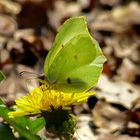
<point x="128" y="70"/>
<point x="63" y="10"/>
<point x="124" y="46"/>
<point x="83" y="131"/>
<point x="134" y="113"/>
<point x="4" y="55"/>
<point x="10" y="7"/>
<point x="119" y="137"/>
<point x="103" y="21"/>
<point x="119" y="92"/>
<point x="127" y="15"/>
<point x="109" y="2"/>
<point x="7" y="25"/>
<point x="26" y="34"/>
<point x="108" y="118"/>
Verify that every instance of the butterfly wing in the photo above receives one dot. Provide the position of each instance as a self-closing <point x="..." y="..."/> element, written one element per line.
<point x="70" y="29"/>
<point x="78" y="65"/>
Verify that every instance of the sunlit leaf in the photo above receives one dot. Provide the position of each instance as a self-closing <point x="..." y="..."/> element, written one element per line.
<point x="36" y="125"/>
<point x="20" y="124"/>
<point x="1" y="76"/>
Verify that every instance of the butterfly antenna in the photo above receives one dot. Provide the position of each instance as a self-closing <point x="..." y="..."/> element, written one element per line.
<point x="30" y="74"/>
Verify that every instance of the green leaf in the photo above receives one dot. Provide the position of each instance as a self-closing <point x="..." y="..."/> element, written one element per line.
<point x="1" y="101"/>
<point x="20" y="124"/>
<point x="36" y="125"/>
<point x="75" y="60"/>
<point x="2" y="77"/>
<point x="6" y="132"/>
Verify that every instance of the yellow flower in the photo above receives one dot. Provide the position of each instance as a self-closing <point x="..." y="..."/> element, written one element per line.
<point x="42" y="99"/>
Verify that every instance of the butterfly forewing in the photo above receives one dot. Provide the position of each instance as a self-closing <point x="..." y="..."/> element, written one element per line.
<point x="70" y="29"/>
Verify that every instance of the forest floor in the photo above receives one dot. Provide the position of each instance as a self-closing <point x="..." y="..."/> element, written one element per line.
<point x="27" y="30"/>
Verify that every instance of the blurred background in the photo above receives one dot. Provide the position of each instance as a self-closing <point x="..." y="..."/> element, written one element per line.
<point x="27" y="30"/>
